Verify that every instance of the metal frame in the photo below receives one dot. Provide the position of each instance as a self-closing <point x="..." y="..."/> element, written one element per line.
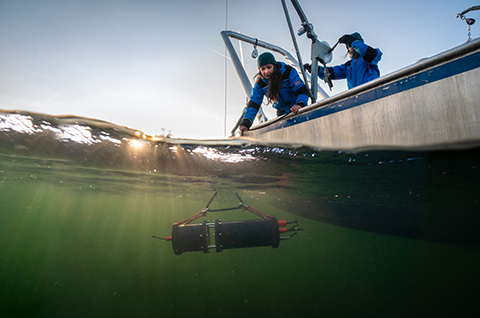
<point x="320" y="52"/>
<point x="247" y="86"/>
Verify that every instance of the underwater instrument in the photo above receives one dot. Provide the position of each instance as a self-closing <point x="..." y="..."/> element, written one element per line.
<point x="265" y="231"/>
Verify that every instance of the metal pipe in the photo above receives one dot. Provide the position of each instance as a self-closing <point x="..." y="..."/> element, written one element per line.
<point x="300" y="12"/>
<point x="238" y="36"/>
<point x="247" y="86"/>
<point x="304" y="74"/>
<point x="468" y="10"/>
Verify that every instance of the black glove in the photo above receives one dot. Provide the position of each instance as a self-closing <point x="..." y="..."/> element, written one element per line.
<point x="307" y="67"/>
<point x="246" y="122"/>
<point x="346" y="39"/>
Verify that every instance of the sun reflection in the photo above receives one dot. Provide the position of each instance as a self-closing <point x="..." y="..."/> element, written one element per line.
<point x="141" y="135"/>
<point x="17" y="122"/>
<point x="106" y="136"/>
<point x="78" y="133"/>
<point x="214" y="154"/>
<point x="136" y="143"/>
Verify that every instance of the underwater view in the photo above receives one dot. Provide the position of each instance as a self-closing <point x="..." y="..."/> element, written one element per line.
<point x="375" y="233"/>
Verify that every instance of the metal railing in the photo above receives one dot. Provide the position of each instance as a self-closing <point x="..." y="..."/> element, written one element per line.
<point x="320" y="52"/>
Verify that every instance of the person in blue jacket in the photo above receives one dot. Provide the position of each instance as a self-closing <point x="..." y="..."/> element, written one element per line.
<point x="282" y="86"/>
<point x="362" y="66"/>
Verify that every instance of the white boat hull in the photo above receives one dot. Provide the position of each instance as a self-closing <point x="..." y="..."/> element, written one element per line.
<point x="434" y="103"/>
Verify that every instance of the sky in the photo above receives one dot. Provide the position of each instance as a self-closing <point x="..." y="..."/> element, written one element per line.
<point x="160" y="66"/>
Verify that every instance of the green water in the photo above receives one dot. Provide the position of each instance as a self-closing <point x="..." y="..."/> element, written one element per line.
<point x="76" y="226"/>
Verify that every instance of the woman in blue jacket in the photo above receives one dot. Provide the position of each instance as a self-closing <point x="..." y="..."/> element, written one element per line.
<point x="362" y="66"/>
<point x="282" y="86"/>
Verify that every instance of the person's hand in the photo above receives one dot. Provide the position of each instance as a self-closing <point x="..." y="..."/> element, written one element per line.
<point x="308" y="68"/>
<point x="243" y="128"/>
<point x="346" y="39"/>
<point x="295" y="108"/>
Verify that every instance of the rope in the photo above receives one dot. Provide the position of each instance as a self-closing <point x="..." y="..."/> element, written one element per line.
<point x="226" y="209"/>
<point x="192" y="218"/>
<point x="258" y="213"/>
<point x="241" y="206"/>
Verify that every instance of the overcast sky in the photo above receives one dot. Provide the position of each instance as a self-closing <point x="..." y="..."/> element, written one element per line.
<point x="158" y="66"/>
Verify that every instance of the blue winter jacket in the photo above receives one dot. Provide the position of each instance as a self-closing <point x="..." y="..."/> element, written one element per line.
<point x="292" y="92"/>
<point x="359" y="70"/>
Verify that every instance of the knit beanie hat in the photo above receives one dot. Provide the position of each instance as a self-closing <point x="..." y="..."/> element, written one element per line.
<point x="266" y="58"/>
<point x="357" y="36"/>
